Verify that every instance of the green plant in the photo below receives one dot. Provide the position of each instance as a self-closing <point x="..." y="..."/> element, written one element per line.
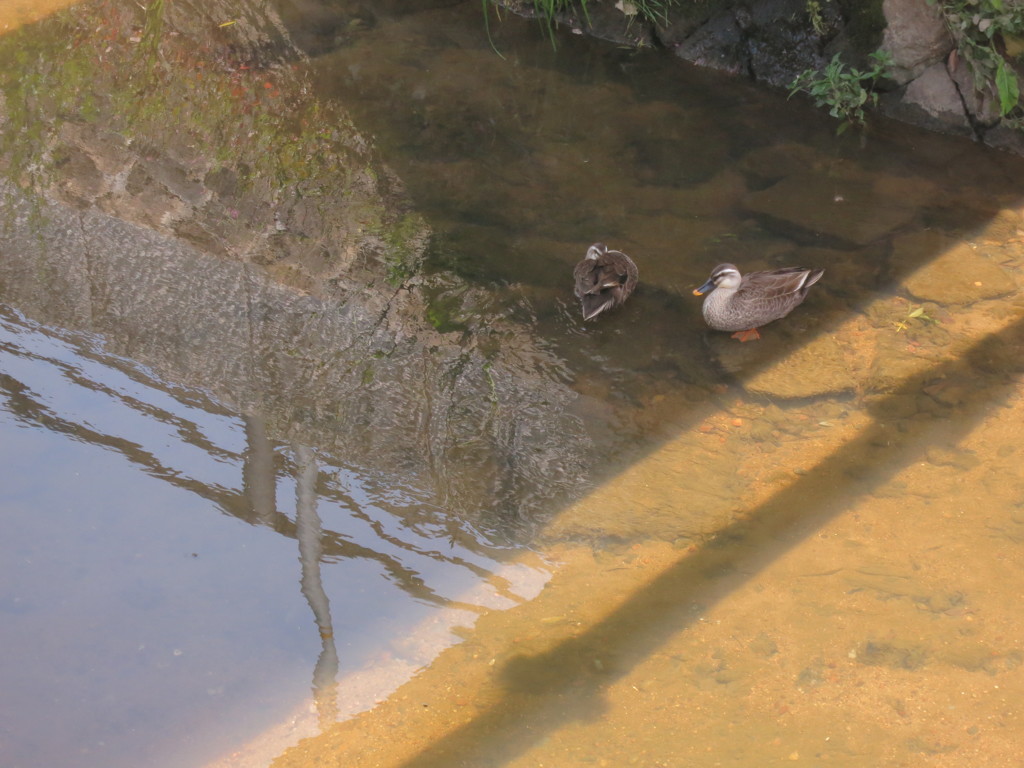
<point x="549" y="8"/>
<point x="987" y="35"/>
<point x="548" y="11"/>
<point x="814" y="14"/>
<point x="652" y="11"/>
<point x="844" y="90"/>
<point x="915" y="313"/>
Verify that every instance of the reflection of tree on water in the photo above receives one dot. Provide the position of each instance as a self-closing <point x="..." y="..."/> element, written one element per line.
<point x="310" y="555"/>
<point x="259" y="474"/>
<point x="260" y="483"/>
<point x="186" y="439"/>
<point x="170" y="412"/>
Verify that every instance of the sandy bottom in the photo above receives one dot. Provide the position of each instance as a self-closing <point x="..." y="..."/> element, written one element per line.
<point x="857" y="603"/>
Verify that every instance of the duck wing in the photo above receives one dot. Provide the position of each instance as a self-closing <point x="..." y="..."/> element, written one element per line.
<point x="612" y="269"/>
<point x="600" y="274"/>
<point x="604" y="282"/>
<point x="778" y="283"/>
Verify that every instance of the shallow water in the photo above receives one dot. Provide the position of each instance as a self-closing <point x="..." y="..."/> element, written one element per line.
<point x="230" y="486"/>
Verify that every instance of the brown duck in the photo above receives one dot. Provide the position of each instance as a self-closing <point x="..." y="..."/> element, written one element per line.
<point x="604" y="279"/>
<point x="743" y="303"/>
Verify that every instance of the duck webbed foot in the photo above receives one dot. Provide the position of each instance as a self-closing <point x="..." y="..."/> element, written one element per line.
<point x="750" y="335"/>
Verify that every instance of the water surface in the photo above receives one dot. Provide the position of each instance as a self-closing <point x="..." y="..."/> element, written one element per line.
<point x="295" y="386"/>
<point x="155" y="549"/>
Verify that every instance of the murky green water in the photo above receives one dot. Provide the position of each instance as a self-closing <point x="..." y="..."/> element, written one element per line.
<point x="293" y="376"/>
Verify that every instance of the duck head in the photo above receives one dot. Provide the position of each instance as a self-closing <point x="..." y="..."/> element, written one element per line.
<point x="723" y="276"/>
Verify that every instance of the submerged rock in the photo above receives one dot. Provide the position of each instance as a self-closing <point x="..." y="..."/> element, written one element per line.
<point x="843" y="210"/>
<point x="769" y="165"/>
<point x="951" y="271"/>
<point x="820" y="367"/>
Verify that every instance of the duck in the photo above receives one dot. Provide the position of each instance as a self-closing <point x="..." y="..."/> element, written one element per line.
<point x="743" y="303"/>
<point x="604" y="279"/>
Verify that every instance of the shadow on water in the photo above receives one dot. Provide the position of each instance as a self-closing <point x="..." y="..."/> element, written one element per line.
<point x="238" y="219"/>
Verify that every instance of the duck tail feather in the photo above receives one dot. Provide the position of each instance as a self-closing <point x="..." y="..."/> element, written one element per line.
<point x="595" y="304"/>
<point x="813" y="277"/>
